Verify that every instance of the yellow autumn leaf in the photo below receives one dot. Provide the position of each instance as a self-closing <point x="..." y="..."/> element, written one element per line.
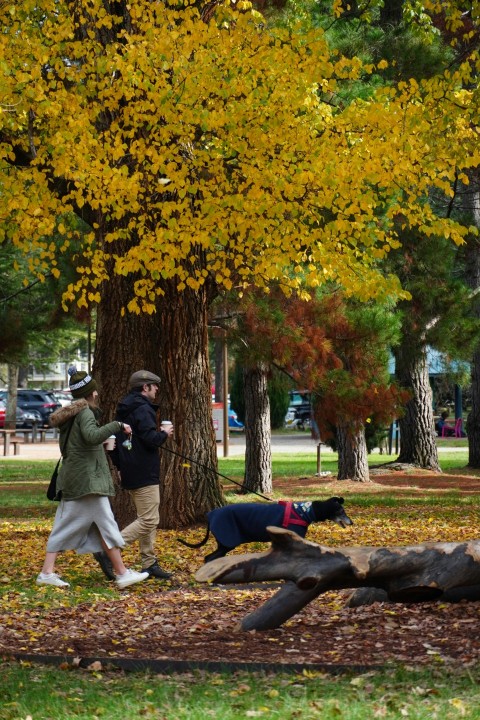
<point x="243" y="158"/>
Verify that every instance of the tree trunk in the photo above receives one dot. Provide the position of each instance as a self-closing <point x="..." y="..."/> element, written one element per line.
<point x="471" y="200"/>
<point x="352" y="454"/>
<point x="23" y="373"/>
<point x="473" y="422"/>
<point x="11" y="409"/>
<point x="258" y="450"/>
<point x="218" y="349"/>
<point x="391" y="12"/>
<point x="418" y="444"/>
<point x="189" y="485"/>
<point x="173" y="344"/>
<point x="124" y="344"/>
<point x="414" y="573"/>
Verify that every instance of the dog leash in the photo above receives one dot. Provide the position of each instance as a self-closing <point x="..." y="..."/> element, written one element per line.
<point x="211" y="469"/>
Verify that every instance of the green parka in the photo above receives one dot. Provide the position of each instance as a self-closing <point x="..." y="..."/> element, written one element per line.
<point x="84" y="469"/>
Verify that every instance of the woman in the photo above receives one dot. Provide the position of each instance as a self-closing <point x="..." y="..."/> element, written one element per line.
<point x="84" y="520"/>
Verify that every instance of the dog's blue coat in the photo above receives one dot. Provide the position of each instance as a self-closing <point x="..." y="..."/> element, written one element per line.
<point x="247" y="522"/>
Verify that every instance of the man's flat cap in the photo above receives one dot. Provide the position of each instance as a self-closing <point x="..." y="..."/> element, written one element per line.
<point x="143" y="377"/>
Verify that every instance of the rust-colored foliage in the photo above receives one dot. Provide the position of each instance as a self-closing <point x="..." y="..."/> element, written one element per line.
<point x="331" y="348"/>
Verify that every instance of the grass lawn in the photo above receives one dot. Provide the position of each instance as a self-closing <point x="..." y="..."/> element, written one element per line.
<point x="41" y="692"/>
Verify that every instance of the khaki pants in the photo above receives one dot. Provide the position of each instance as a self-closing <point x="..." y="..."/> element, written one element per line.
<point x="144" y="528"/>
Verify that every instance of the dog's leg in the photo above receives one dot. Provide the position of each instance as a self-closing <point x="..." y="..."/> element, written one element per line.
<point x="221" y="551"/>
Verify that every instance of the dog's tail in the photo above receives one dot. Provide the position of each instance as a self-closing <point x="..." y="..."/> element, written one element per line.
<point x="196" y="545"/>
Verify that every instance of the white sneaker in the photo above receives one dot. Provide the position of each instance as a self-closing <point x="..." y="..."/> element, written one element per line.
<point x="130" y="577"/>
<point x="51" y="579"/>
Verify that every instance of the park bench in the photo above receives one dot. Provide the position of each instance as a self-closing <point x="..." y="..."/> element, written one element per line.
<point x="9" y="438"/>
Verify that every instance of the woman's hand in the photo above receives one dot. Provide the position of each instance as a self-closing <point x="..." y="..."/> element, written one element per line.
<point x="126" y="429"/>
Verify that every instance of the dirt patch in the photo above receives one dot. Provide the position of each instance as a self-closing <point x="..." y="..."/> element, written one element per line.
<point x="452" y="483"/>
<point x="405" y="478"/>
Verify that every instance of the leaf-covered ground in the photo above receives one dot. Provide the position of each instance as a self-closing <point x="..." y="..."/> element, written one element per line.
<point x="181" y="620"/>
<point x="198" y="625"/>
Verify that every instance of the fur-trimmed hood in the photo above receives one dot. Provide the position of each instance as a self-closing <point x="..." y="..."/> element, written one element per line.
<point x="66" y="413"/>
<point x="84" y="469"/>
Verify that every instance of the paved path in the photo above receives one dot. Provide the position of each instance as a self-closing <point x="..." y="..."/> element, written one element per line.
<point x="299" y="442"/>
<point x="296" y="442"/>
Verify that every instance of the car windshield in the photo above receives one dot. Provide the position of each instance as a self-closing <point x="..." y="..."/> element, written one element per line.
<point x="297" y="398"/>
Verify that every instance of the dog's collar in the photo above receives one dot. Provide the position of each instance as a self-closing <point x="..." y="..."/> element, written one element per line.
<point x="290" y="516"/>
<point x="304" y="509"/>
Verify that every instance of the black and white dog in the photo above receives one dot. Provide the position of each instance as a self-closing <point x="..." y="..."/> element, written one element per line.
<point x="240" y="523"/>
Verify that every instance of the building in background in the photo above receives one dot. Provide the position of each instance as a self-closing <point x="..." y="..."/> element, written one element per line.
<point x="53" y="376"/>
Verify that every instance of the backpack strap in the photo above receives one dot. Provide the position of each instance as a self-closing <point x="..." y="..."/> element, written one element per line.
<point x="68" y="434"/>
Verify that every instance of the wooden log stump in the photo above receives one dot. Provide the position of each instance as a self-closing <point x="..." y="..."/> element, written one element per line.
<point x="414" y="573"/>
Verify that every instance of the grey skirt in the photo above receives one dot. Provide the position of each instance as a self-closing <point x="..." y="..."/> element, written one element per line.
<point x="79" y="524"/>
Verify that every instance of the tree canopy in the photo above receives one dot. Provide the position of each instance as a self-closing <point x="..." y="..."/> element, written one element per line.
<point x="33" y="325"/>
<point x="336" y="350"/>
<point x="214" y="151"/>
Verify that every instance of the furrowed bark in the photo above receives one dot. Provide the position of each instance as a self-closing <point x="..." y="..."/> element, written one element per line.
<point x="258" y="454"/>
<point x="418" y="444"/>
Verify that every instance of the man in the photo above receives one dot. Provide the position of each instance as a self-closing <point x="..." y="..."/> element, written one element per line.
<point x="139" y="467"/>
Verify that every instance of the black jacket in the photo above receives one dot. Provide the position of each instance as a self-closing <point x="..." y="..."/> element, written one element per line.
<point x="139" y="466"/>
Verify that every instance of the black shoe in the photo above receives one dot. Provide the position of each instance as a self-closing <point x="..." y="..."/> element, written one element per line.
<point x="105" y="563"/>
<point x="156" y="571"/>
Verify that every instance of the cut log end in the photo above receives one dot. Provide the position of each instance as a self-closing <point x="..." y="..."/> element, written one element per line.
<point x="216" y="569"/>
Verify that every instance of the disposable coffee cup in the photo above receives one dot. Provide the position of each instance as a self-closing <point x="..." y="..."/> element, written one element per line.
<point x="166" y="424"/>
<point x="110" y="442"/>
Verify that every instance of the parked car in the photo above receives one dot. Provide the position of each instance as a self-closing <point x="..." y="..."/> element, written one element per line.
<point x="25" y="419"/>
<point x="299" y="413"/>
<point x="35" y="400"/>
<point x="64" y="397"/>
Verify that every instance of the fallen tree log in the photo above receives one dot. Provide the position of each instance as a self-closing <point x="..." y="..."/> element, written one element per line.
<point x="414" y="573"/>
<point x="370" y="595"/>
